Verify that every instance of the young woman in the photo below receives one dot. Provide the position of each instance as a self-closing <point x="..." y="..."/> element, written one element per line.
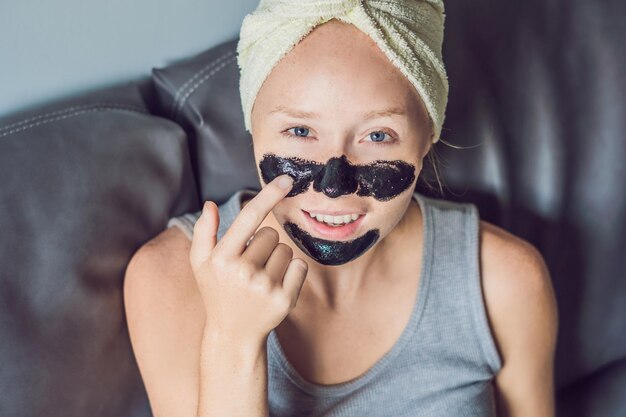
<point x="415" y="307"/>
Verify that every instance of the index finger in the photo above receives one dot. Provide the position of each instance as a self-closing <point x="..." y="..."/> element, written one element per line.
<point x="252" y="215"/>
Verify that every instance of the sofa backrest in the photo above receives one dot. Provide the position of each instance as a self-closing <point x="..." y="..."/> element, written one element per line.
<point x="85" y="182"/>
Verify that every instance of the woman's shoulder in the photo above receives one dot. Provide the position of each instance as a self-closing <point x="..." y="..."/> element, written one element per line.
<point x="518" y="292"/>
<point x="507" y="259"/>
<point x="161" y="264"/>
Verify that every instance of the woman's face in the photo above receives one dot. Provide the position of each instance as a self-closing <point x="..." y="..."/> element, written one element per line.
<point x="315" y="118"/>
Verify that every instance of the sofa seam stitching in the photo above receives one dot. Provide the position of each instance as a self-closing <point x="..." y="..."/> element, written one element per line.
<point x="196" y="85"/>
<point x="197" y="74"/>
<point x="69" y="109"/>
<point x="75" y="113"/>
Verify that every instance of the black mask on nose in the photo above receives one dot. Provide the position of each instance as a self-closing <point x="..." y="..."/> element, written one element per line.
<point x="380" y="179"/>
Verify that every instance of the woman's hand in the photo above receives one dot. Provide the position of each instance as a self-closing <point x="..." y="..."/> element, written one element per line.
<point x="247" y="288"/>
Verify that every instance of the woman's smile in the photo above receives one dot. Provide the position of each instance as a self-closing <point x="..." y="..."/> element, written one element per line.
<point x="331" y="232"/>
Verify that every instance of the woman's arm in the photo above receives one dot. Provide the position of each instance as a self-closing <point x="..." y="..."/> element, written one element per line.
<point x="233" y="376"/>
<point x="522" y="310"/>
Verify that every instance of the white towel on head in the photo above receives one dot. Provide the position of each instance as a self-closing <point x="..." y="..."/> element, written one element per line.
<point x="409" y="32"/>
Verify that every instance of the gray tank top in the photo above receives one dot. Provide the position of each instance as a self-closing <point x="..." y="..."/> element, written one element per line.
<point x="443" y="363"/>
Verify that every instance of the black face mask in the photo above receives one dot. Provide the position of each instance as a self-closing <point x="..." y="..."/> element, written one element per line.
<point x="380" y="179"/>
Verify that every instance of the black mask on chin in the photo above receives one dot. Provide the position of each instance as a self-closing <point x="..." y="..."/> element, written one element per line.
<point x="380" y="179"/>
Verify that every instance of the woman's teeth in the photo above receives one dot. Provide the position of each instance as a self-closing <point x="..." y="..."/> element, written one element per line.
<point x="334" y="220"/>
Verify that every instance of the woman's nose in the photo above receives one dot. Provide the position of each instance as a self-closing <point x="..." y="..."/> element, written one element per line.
<point x="336" y="178"/>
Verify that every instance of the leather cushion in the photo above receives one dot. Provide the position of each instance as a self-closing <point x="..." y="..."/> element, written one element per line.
<point x="85" y="181"/>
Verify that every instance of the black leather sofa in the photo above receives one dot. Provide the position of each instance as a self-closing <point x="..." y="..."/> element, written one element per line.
<point x="537" y="114"/>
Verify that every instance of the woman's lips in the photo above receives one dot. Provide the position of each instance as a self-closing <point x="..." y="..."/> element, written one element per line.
<point x="332" y="232"/>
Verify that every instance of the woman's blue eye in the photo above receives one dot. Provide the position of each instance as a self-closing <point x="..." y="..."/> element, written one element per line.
<point x="300" y="129"/>
<point x="379" y="136"/>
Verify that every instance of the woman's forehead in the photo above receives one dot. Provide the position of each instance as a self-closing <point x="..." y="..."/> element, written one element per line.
<point x="338" y="46"/>
<point x="349" y="65"/>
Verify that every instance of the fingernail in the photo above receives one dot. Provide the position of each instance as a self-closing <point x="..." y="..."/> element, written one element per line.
<point x="285" y="182"/>
<point x="205" y="208"/>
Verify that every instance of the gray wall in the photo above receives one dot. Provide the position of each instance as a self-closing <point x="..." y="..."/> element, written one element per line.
<point x="52" y="49"/>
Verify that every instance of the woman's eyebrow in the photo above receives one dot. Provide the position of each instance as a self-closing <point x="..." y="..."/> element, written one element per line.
<point x="300" y="114"/>
<point x="393" y="111"/>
